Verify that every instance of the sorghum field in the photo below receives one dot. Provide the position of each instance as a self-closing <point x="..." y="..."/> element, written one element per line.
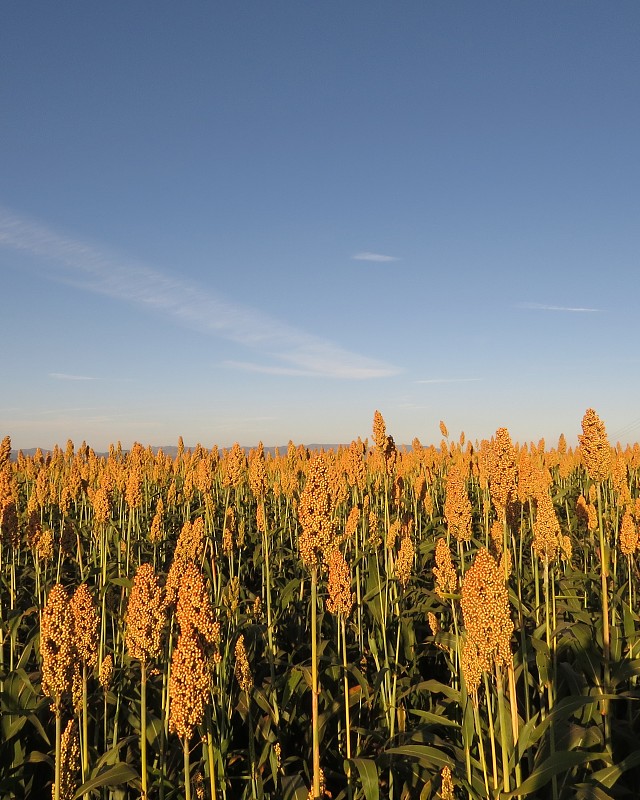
<point x="371" y="622"/>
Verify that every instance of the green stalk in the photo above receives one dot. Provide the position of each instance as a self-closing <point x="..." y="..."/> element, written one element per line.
<point x="503" y="731"/>
<point x="513" y="705"/>
<point x="143" y="729"/>
<point x="252" y="749"/>
<point x="551" y="680"/>
<point x="56" y="785"/>
<point x="347" y="719"/>
<point x="85" y="726"/>
<point x="314" y="683"/>
<point x="210" y="755"/>
<point x="272" y="649"/>
<point x="460" y="683"/>
<point x="392" y="704"/>
<point x="606" y="646"/>
<point x="492" y="733"/>
<point x="479" y="732"/>
<point x="187" y="769"/>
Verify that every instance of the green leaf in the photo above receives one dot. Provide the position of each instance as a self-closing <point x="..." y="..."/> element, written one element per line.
<point x="293" y="788"/>
<point x="587" y="791"/>
<point x="110" y="756"/>
<point x="427" y="756"/>
<point x="113" y="776"/>
<point x="126" y="582"/>
<point x="434" y="719"/>
<point x="35" y="757"/>
<point x="609" y="775"/>
<point x="368" y="776"/>
<point x="554" y="765"/>
<point x="154" y="730"/>
<point x="293" y="587"/>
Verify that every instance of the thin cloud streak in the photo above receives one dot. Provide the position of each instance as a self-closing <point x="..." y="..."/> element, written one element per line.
<point x="449" y="380"/>
<point x="88" y="267"/>
<point x="247" y="366"/>
<point x="569" y="309"/>
<point x="379" y="257"/>
<point x="63" y="376"/>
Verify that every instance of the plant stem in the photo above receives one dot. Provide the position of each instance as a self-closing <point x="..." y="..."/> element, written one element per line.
<point x="314" y="683"/>
<point x="187" y="769"/>
<point x="143" y="729"/>
<point x="56" y="785"/>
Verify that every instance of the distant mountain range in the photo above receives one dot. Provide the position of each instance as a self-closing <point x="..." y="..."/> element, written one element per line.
<point x="172" y="449"/>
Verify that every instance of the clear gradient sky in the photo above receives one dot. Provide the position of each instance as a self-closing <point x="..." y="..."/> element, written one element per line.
<point x="245" y="221"/>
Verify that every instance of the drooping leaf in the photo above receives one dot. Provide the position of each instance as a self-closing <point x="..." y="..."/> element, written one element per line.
<point x="554" y="765"/>
<point x="112" y="776"/>
<point x="368" y="773"/>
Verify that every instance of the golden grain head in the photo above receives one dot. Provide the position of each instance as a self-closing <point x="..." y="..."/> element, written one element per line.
<point x="257" y="472"/>
<point x="592" y="514"/>
<point x="242" y="668"/>
<point x="234" y="466"/>
<point x="472" y="665"/>
<point x="502" y="474"/>
<point x="105" y="674"/>
<point x="340" y="596"/>
<point x="194" y="608"/>
<point x="57" y="647"/>
<point x="445" y="574"/>
<point x="156" y="531"/>
<point x="353" y="519"/>
<point x="229" y="531"/>
<point x="486" y="611"/>
<point x="101" y="504"/>
<point x="404" y="561"/>
<point x="446" y="785"/>
<point x="315" y="514"/>
<point x="434" y="623"/>
<point x="628" y="537"/>
<point x="594" y="448"/>
<point x="87" y="625"/>
<point x="546" y="528"/>
<point x="69" y="762"/>
<point x="189" y="685"/>
<point x="392" y="534"/>
<point x="379" y="431"/>
<point x="354" y="465"/>
<point x="146" y="616"/>
<point x="457" y="506"/>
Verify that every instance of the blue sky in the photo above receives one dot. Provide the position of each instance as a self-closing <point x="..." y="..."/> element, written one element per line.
<point x="265" y="220"/>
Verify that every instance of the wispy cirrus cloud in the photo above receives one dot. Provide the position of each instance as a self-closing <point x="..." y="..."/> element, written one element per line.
<point x="449" y="380"/>
<point x="96" y="270"/>
<point x="379" y="257"/>
<point x="266" y="369"/>
<point x="569" y="309"/>
<point x="63" y="376"/>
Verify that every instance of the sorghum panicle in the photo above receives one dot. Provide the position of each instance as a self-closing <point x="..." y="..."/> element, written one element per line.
<point x="57" y="647"/>
<point x="546" y="528"/>
<point x="446" y="577"/>
<point x="242" y="668"/>
<point x="404" y="562"/>
<point x="457" y="506"/>
<point x="486" y="612"/>
<point x="628" y="535"/>
<point x="340" y="599"/>
<point x="594" y="447"/>
<point x="315" y="514"/>
<point x="189" y="685"/>
<point x="69" y="762"/>
<point x="145" y="616"/>
<point x="87" y="624"/>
